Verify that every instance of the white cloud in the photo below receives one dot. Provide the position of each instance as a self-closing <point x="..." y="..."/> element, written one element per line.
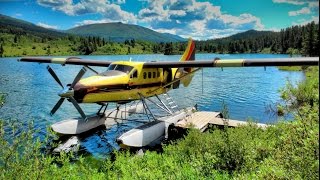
<point x="187" y="18"/>
<point x="312" y="4"/>
<point x="304" y="21"/>
<point x="202" y="20"/>
<point x="54" y="3"/>
<point x="295" y="2"/>
<point x="304" y="10"/>
<point x="119" y="1"/>
<point x="47" y="25"/>
<point x="18" y="15"/>
<point x="110" y="11"/>
<point x="87" y="22"/>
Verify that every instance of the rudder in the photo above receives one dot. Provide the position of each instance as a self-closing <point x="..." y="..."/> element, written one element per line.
<point x="188" y="55"/>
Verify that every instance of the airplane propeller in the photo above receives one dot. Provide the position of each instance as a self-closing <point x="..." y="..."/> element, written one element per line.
<point x="53" y="74"/>
<point x="67" y="92"/>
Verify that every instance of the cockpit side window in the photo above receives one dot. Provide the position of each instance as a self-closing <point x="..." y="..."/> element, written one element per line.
<point x="124" y="68"/>
<point x="112" y="66"/>
<point x="119" y="67"/>
<point x="134" y="74"/>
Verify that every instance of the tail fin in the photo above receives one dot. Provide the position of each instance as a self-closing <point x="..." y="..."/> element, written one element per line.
<point x="188" y="55"/>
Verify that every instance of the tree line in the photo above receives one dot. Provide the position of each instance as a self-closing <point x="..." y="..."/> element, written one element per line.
<point x="302" y="40"/>
<point x="292" y="40"/>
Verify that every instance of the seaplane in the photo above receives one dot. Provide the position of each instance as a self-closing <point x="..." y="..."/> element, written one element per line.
<point x="123" y="82"/>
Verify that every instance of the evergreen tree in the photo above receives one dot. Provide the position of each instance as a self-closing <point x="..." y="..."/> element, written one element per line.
<point x="168" y="49"/>
<point x="15" y="40"/>
<point x="133" y="43"/>
<point x="48" y="51"/>
<point x="129" y="50"/>
<point x="155" y="49"/>
<point x="1" y="50"/>
<point x="310" y="40"/>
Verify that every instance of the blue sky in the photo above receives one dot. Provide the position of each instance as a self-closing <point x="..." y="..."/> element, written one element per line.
<point x="199" y="19"/>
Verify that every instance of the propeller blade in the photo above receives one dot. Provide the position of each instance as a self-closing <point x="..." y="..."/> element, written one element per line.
<point x="94" y="71"/>
<point x="78" y="77"/>
<point x="54" y="75"/>
<point x="76" y="105"/>
<point x="56" y="107"/>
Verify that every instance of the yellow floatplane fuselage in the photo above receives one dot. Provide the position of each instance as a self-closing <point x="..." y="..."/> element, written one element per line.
<point x="126" y="81"/>
<point x="122" y="82"/>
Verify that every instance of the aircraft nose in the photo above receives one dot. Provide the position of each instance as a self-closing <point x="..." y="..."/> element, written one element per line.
<point x="66" y="92"/>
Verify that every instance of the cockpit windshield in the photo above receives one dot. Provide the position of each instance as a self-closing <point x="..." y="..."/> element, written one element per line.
<point x="120" y="67"/>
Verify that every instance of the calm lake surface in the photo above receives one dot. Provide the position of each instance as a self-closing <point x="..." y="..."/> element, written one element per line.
<point x="247" y="92"/>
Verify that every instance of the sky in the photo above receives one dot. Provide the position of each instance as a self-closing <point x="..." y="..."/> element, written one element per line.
<point x="198" y="19"/>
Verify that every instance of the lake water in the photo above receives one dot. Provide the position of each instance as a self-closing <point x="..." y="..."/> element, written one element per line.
<point x="247" y="92"/>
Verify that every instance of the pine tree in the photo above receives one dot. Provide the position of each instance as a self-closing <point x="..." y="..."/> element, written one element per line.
<point x="133" y="43"/>
<point x="15" y="40"/>
<point x="309" y="43"/>
<point x="1" y="50"/>
<point x="129" y="50"/>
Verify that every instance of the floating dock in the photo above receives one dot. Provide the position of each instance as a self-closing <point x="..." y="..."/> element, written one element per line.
<point x="202" y="119"/>
<point x="174" y="126"/>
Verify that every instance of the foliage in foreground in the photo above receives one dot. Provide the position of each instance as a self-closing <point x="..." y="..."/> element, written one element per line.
<point x="287" y="150"/>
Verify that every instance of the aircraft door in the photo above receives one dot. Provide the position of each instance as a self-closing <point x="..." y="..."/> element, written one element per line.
<point x="133" y="77"/>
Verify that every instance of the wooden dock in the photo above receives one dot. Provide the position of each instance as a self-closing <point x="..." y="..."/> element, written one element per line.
<point x="202" y="119"/>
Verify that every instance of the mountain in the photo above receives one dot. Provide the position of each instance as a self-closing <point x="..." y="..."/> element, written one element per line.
<point x="249" y="34"/>
<point x="176" y="37"/>
<point x="120" y="32"/>
<point x="17" y="26"/>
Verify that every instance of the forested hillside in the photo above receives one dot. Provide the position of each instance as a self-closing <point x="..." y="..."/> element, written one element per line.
<point x="119" y="32"/>
<point x="292" y="40"/>
<point x="20" y="38"/>
<point x="302" y="40"/>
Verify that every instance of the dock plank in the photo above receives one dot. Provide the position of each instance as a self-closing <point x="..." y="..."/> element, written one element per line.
<point x="201" y="119"/>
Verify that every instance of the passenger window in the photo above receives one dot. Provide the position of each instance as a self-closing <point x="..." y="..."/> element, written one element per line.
<point x="144" y="75"/>
<point x="158" y="74"/>
<point x="134" y="74"/>
<point x="154" y="74"/>
<point x="149" y="74"/>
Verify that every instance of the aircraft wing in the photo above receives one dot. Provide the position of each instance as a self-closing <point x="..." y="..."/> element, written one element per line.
<point x="297" y="61"/>
<point x="70" y="60"/>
